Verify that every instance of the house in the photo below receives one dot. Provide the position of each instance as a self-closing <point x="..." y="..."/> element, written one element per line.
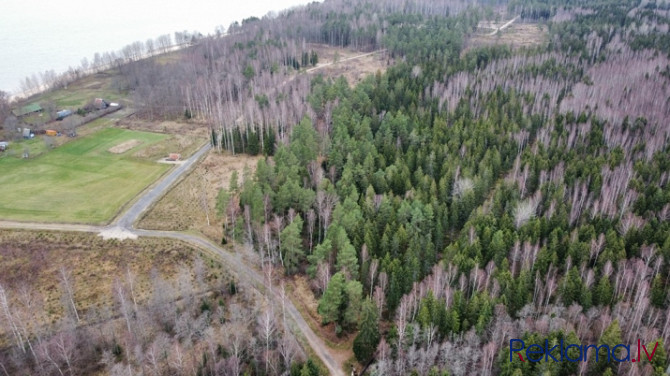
<point x="100" y="104"/>
<point x="4" y="145"/>
<point x="27" y="110"/>
<point x="51" y="132"/>
<point x="27" y="133"/>
<point x="174" y="157"/>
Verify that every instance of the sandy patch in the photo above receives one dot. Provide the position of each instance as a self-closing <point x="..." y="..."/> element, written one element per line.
<point x="167" y="161"/>
<point x="355" y="66"/>
<point x="516" y="36"/>
<point x="116" y="233"/>
<point x="124" y="146"/>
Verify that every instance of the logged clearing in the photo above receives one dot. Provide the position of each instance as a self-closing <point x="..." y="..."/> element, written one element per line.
<point x="34" y="260"/>
<point x="183" y="208"/>
<point x="78" y="182"/>
<point x="124" y="146"/>
<point x="336" y="62"/>
<point x="517" y="35"/>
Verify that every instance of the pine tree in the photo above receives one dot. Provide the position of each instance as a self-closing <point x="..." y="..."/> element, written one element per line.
<point x="658" y="292"/>
<point x="611" y="337"/>
<point x="603" y="293"/>
<point x="368" y="337"/>
<point x="659" y="361"/>
<point x="291" y="245"/>
<point x="353" y="290"/>
<point x="304" y="142"/>
<point x="347" y="261"/>
<point x="572" y="287"/>
<point x="332" y="299"/>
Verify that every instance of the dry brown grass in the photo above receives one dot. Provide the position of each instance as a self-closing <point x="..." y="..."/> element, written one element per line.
<point x="181" y="209"/>
<point x="517" y="35"/>
<point x="29" y="258"/>
<point x="186" y="137"/>
<point x="353" y="70"/>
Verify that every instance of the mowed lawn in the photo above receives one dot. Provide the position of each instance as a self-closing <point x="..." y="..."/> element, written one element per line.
<point x="80" y="181"/>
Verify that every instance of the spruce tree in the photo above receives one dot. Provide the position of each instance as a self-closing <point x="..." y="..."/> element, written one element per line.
<point x="368" y="338"/>
<point x="330" y="302"/>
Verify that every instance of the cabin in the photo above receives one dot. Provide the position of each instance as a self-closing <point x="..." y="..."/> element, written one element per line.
<point x="100" y="104"/>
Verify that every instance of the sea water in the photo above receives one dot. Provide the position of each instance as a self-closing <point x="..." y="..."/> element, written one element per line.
<point x="40" y="35"/>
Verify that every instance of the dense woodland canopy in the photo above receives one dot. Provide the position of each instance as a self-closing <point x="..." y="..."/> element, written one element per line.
<point x="463" y="197"/>
<point x="482" y="195"/>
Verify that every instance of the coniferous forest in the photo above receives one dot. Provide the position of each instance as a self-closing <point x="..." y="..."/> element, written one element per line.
<point x="464" y="196"/>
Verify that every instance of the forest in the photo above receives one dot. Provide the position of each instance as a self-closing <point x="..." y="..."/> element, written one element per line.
<point x="467" y="195"/>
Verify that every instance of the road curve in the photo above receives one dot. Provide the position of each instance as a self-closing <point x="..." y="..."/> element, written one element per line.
<point x="125" y="222"/>
<point x="256" y="279"/>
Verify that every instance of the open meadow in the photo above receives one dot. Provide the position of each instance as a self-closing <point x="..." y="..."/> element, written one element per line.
<point x="83" y="181"/>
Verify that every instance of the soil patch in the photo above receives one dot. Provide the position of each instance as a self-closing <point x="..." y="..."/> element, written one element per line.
<point x="124" y="146"/>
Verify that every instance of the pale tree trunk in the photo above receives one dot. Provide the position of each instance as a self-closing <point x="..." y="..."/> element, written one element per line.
<point x="9" y="319"/>
<point x="130" y="279"/>
<point x="67" y="285"/>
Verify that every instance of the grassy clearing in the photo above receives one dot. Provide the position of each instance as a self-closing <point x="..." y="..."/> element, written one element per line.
<point x="517" y="35"/>
<point x="79" y="182"/>
<point x="83" y="91"/>
<point x="354" y="70"/>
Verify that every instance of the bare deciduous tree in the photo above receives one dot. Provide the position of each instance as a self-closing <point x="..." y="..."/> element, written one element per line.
<point x="67" y="286"/>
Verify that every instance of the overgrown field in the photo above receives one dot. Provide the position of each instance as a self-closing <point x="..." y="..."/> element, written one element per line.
<point x="80" y="181"/>
<point x="188" y="204"/>
<point x="93" y="264"/>
<point x="81" y="305"/>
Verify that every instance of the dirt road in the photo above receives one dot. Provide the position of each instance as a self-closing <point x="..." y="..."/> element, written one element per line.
<point x="505" y="26"/>
<point x="124" y="225"/>
<point x="254" y="277"/>
<point x="343" y="60"/>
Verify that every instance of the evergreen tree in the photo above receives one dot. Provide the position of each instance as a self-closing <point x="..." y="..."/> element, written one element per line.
<point x="659" y="359"/>
<point x="658" y="293"/>
<point x="332" y="299"/>
<point x="347" y="261"/>
<point x="291" y="245"/>
<point x="611" y="337"/>
<point x="368" y="337"/>
<point x="603" y="293"/>
<point x="304" y="142"/>
<point x="353" y="291"/>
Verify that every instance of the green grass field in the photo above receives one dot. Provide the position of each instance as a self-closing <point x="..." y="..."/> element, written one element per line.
<point x="83" y="91"/>
<point x="80" y="181"/>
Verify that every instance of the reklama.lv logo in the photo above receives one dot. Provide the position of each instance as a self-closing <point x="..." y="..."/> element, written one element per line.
<point x="559" y="353"/>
